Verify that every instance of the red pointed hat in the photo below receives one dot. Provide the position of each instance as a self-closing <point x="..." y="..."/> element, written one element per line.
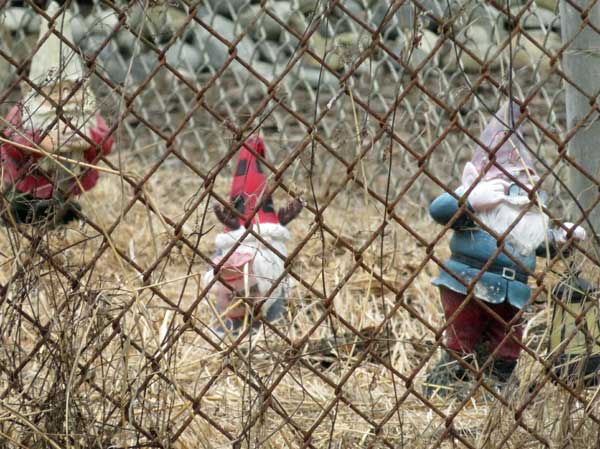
<point x="250" y="184"/>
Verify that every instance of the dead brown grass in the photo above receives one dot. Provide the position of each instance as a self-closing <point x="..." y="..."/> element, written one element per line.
<point x="145" y="363"/>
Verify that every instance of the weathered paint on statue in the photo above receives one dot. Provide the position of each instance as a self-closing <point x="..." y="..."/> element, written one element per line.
<point x="252" y="269"/>
<point x="497" y="201"/>
<point x="38" y="184"/>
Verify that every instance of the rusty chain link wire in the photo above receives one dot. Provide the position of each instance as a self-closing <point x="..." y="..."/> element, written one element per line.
<point x="369" y="111"/>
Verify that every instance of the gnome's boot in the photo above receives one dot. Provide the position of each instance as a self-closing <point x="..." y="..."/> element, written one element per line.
<point x="447" y="377"/>
<point x="233" y="326"/>
<point x="229" y="326"/>
<point x="502" y="369"/>
<point x="273" y="313"/>
<point x="499" y="372"/>
<point x="65" y="212"/>
<point x="25" y="208"/>
<point x="274" y="310"/>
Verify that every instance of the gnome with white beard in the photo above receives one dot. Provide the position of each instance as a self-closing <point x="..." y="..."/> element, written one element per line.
<point x="42" y="162"/>
<point x="253" y="270"/>
<point x="497" y="201"/>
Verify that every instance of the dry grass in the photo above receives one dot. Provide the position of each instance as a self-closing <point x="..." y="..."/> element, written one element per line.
<point x="122" y="394"/>
<point x="111" y="362"/>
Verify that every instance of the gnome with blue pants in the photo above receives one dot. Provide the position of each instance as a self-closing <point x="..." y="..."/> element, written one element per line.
<point x="497" y="201"/>
<point x="253" y="270"/>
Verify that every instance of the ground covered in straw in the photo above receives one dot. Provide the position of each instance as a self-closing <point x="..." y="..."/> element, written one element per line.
<point x="126" y="356"/>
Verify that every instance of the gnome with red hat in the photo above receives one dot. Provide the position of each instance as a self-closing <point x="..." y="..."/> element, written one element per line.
<point x="481" y="314"/>
<point x="40" y="184"/>
<point x="253" y="269"/>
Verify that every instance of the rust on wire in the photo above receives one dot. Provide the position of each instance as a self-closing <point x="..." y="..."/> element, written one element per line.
<point x="111" y="334"/>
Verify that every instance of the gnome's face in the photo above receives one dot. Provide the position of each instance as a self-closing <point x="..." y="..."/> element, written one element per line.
<point x="503" y="160"/>
<point x="531" y="228"/>
<point x="248" y="275"/>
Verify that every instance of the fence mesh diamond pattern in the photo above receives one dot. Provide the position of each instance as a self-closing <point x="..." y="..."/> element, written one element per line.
<point x="360" y="296"/>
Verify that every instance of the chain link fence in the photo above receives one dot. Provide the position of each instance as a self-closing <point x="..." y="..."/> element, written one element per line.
<point x="369" y="111"/>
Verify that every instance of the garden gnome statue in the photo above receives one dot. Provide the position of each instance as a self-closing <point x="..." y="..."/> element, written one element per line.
<point x="248" y="274"/>
<point x="497" y="201"/>
<point x="40" y="185"/>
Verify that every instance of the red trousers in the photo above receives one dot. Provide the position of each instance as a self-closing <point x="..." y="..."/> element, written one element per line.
<point x="474" y="326"/>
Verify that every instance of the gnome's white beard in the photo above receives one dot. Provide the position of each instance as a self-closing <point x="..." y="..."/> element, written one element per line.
<point x="267" y="267"/>
<point x="528" y="233"/>
<point x="38" y="113"/>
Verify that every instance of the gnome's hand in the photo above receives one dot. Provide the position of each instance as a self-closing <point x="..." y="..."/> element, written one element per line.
<point x="560" y="234"/>
<point x="227" y="217"/>
<point x="488" y="194"/>
<point x="291" y="211"/>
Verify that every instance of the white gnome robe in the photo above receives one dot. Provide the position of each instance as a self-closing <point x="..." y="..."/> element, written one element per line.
<point x="253" y="269"/>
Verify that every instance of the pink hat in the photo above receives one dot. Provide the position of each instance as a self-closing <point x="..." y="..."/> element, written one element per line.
<point x="512" y="156"/>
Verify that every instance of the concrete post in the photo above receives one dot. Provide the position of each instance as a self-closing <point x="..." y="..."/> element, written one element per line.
<point x="581" y="63"/>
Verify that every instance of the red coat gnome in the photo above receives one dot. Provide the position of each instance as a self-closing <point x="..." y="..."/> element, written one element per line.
<point x="251" y="270"/>
<point x="39" y="184"/>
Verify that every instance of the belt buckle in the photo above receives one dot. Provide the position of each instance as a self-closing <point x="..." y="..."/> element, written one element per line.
<point x="509" y="273"/>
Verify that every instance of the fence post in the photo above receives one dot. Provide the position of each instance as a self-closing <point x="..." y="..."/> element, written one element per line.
<point x="581" y="63"/>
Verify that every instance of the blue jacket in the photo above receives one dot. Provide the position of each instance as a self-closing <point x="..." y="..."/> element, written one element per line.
<point x="470" y="245"/>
